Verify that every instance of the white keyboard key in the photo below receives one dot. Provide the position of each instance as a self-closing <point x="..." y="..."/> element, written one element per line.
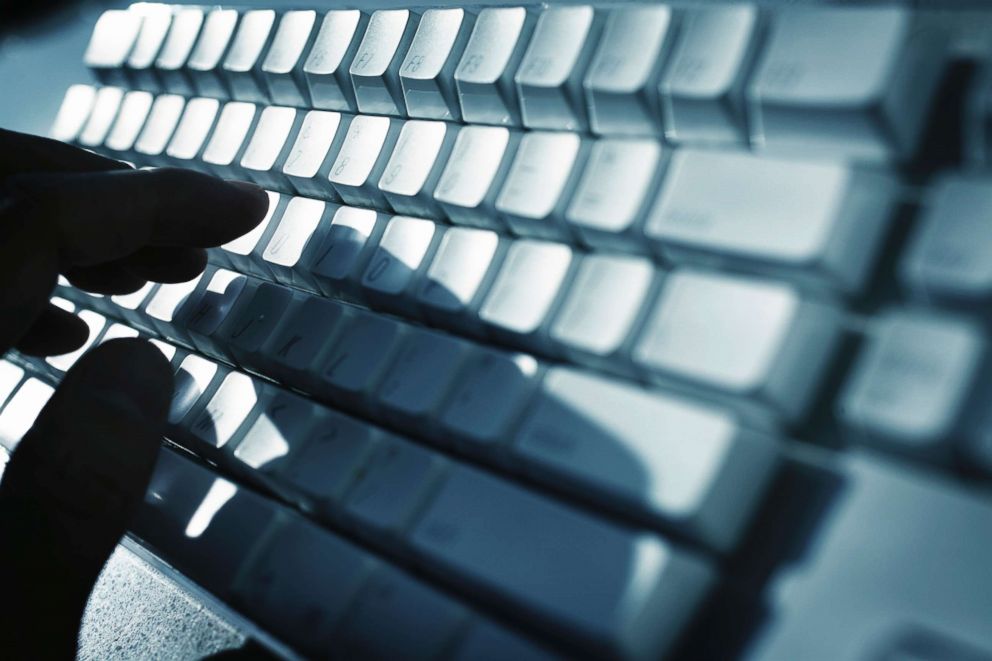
<point x="73" y="113"/>
<point x="229" y="140"/>
<point x="205" y="60"/>
<point x="486" y="91"/>
<point x="243" y="62"/>
<point x="10" y="377"/>
<point x="816" y="221"/>
<point x="363" y="156"/>
<point x="549" y="80"/>
<point x="22" y="410"/>
<point x="245" y="252"/>
<point x="414" y="168"/>
<point x="474" y="174"/>
<point x="253" y="322"/>
<point x="101" y="117"/>
<point x="375" y="69"/>
<point x="634" y="605"/>
<point x="164" y="309"/>
<point x="395" y="271"/>
<point x="427" y="72"/>
<point x="162" y="121"/>
<point x="190" y="138"/>
<point x="621" y="86"/>
<point x="539" y="183"/>
<point x="612" y="194"/>
<point x="110" y="44"/>
<point x="172" y="59"/>
<point x="702" y="89"/>
<point x="283" y="65"/>
<point x="294" y="349"/>
<point x="327" y="66"/>
<point x="603" y="307"/>
<point x="270" y="145"/>
<point x="230" y="411"/>
<point x="95" y="323"/>
<point x="948" y="256"/>
<point x="422" y="374"/>
<point x="278" y="432"/>
<point x="705" y="330"/>
<point x="361" y="355"/>
<point x="314" y="152"/>
<point x="155" y="23"/>
<point x="491" y="391"/>
<point x="196" y="381"/>
<point x="855" y="81"/>
<point x="295" y="238"/>
<point x="392" y="488"/>
<point x="912" y="381"/>
<point x="688" y="466"/>
<point x="118" y="331"/>
<point x="340" y="262"/>
<point x="526" y="292"/>
<point x="221" y="294"/>
<point x="130" y="120"/>
<point x="458" y="277"/>
<point x="131" y="306"/>
<point x="169" y="351"/>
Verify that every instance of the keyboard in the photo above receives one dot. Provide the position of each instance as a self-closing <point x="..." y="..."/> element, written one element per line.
<point x="628" y="331"/>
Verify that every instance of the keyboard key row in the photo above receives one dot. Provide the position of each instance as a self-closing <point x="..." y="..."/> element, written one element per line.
<point x="710" y="75"/>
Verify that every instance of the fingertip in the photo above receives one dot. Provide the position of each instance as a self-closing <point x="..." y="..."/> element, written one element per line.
<point x="255" y="199"/>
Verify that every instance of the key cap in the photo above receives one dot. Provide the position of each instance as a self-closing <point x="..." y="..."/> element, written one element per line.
<point x="396" y="616"/>
<point x="129" y="122"/>
<point x="543" y="550"/>
<point x="611" y="197"/>
<point x="539" y="184"/>
<point x="118" y="331"/>
<point x="10" y="378"/>
<point x="526" y="293"/>
<point x="95" y="323"/>
<point x="363" y="156"/>
<point x="395" y="271"/>
<point x="196" y="381"/>
<point x="296" y="346"/>
<point x="704" y="330"/>
<point x="253" y="322"/>
<point x="492" y="388"/>
<point x="687" y="466"/>
<point x="414" y="168"/>
<point x="204" y="63"/>
<point x="702" y="88"/>
<point x="340" y="262"/>
<point x="73" y="113"/>
<point x="23" y="407"/>
<point x="485" y="641"/>
<point x="301" y="583"/>
<point x="314" y="152"/>
<point x="854" y="82"/>
<point x="245" y="252"/>
<point x="459" y="276"/>
<point x="549" y="81"/>
<point x="295" y="240"/>
<point x="474" y="174"/>
<point x="105" y="107"/>
<point x="912" y="381"/>
<point x="948" y="256"/>
<point x="375" y="68"/>
<point x="362" y="353"/>
<point x="484" y="77"/>
<point x="111" y="42"/>
<point x="242" y="65"/>
<point x="190" y="138"/>
<point x="421" y="376"/>
<point x="283" y="65"/>
<point x="230" y="412"/>
<point x="395" y="484"/>
<point x="270" y="145"/>
<point x="170" y="65"/>
<point x="327" y="67"/>
<point x="131" y="306"/>
<point x="603" y="307"/>
<point x="279" y="431"/>
<point x="155" y="23"/>
<point x="162" y="121"/>
<point x="223" y="290"/>
<point x="166" y="308"/>
<point x="427" y="71"/>
<point x="819" y="222"/>
<point x="229" y="141"/>
<point x="621" y="85"/>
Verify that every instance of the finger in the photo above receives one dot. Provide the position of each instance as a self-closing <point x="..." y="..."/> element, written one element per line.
<point x="163" y="264"/>
<point x="70" y="489"/>
<point x="28" y="272"/>
<point x="109" y="279"/>
<point x="55" y="332"/>
<point x="106" y="216"/>
<point x="20" y="153"/>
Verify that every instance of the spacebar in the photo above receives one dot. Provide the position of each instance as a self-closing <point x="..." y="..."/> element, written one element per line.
<point x="614" y="591"/>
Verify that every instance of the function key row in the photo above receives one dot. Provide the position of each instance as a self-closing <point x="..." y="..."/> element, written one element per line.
<point x="725" y="75"/>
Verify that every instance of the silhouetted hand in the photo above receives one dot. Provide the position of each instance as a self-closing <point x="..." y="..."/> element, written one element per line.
<point x="77" y="476"/>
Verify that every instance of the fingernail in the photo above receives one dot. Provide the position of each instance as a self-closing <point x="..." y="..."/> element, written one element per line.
<point x="259" y="198"/>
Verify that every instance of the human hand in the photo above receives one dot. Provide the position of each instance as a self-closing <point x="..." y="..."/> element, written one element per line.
<point x="78" y="474"/>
